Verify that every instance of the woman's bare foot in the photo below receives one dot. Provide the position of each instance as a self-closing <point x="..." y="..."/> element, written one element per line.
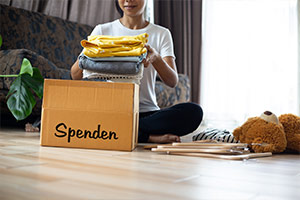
<point x="30" y="128"/>
<point x="166" y="138"/>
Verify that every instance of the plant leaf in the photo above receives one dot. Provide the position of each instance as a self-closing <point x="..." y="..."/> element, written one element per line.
<point x="21" y="100"/>
<point x="0" y="40"/>
<point x="35" y="82"/>
<point x="26" y="67"/>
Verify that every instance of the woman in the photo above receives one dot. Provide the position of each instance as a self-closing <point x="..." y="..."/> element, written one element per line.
<point x="155" y="125"/>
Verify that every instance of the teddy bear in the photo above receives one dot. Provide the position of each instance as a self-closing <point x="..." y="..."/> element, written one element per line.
<point x="268" y="133"/>
<point x="291" y="125"/>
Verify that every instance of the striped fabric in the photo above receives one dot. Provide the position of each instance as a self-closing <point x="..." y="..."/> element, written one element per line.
<point x="215" y="134"/>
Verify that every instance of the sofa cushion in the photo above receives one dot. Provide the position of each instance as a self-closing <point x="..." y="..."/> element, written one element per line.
<point x="167" y="96"/>
<point x="55" y="39"/>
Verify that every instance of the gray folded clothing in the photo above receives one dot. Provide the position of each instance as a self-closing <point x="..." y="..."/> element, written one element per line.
<point x="110" y="67"/>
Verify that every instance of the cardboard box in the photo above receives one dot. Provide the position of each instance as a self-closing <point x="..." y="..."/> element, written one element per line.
<point x="90" y="114"/>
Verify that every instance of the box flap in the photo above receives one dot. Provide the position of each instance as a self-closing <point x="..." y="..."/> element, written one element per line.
<point x="94" y="95"/>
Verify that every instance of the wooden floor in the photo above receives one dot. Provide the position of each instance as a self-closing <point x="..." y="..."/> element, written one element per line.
<point x="29" y="171"/>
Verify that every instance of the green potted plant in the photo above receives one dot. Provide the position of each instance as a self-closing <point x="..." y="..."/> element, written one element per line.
<point x="20" y="98"/>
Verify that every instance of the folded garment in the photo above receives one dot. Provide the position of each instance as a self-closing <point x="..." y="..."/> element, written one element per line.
<point x="136" y="59"/>
<point x="107" y="46"/>
<point x="109" y="67"/>
<point x="131" y="78"/>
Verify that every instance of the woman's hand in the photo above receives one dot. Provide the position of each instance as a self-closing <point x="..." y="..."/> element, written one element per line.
<point x="165" y="67"/>
<point x="76" y="72"/>
<point x="152" y="56"/>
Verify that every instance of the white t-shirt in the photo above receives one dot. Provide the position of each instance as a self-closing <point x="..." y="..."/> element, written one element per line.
<point x="159" y="38"/>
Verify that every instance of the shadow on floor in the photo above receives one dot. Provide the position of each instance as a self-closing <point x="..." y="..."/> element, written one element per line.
<point x="8" y="120"/>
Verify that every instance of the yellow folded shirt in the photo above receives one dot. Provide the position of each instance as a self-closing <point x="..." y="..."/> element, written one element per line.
<point x="107" y="46"/>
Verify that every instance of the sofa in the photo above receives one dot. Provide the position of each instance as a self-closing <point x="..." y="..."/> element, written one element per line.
<point x="52" y="45"/>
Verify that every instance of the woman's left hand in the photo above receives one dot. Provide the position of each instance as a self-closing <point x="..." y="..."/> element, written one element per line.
<point x="165" y="67"/>
<point x="152" y="56"/>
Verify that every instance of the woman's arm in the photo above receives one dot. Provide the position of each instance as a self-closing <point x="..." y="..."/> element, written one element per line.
<point x="76" y="72"/>
<point x="165" y="67"/>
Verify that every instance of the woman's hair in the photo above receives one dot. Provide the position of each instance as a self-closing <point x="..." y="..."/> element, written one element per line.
<point x="120" y="11"/>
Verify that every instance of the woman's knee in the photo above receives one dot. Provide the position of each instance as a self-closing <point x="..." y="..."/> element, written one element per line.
<point x="193" y="112"/>
<point x="196" y="112"/>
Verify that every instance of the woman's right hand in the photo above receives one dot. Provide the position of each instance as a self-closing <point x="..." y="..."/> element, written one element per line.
<point x="76" y="72"/>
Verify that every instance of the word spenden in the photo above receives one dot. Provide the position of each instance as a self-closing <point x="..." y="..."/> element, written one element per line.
<point x="64" y="131"/>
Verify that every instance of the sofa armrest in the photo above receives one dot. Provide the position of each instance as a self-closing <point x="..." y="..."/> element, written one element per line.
<point x="11" y="61"/>
<point x="167" y="96"/>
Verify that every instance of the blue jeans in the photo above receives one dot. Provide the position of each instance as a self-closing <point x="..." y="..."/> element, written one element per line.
<point x="180" y="119"/>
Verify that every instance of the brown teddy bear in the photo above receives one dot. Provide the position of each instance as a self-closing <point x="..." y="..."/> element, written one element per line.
<point x="291" y="125"/>
<point x="268" y="133"/>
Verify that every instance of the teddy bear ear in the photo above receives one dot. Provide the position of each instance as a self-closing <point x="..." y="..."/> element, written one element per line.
<point x="269" y="117"/>
<point x="237" y="132"/>
<point x="288" y="117"/>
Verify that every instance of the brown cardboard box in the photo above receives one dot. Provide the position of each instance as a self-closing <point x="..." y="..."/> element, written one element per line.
<point x="89" y="114"/>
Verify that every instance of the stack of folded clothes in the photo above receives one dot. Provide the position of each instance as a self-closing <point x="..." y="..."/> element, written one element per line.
<point x="117" y="59"/>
